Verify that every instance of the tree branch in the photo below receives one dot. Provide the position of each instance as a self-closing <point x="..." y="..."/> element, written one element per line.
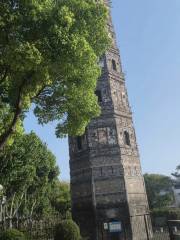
<point x="18" y="204"/>
<point x="4" y="76"/>
<point x="32" y="208"/>
<point x="4" y="137"/>
<point x="18" y="110"/>
<point x="39" y="92"/>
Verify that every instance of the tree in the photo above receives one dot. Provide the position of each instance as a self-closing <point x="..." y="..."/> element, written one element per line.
<point x="176" y="174"/>
<point x="49" y="53"/>
<point x="60" y="198"/>
<point x="12" y="234"/>
<point x="159" y="190"/>
<point x="165" y="214"/>
<point x="67" y="230"/>
<point x="28" y="171"/>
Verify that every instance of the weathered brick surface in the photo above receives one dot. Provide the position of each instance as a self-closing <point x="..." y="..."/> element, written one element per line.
<point x="106" y="178"/>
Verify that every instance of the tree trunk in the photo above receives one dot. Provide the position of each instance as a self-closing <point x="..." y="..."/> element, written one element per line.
<point x="4" y="75"/>
<point x="18" y="110"/>
<point x="5" y="136"/>
<point x="11" y="212"/>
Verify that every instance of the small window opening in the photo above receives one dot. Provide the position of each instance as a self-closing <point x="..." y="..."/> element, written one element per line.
<point x="127" y="138"/>
<point x="79" y="143"/>
<point x="114" y="65"/>
<point x="123" y="95"/>
<point x="98" y="94"/>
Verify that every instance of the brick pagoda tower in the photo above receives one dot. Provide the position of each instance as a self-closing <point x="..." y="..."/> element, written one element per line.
<point x="109" y="199"/>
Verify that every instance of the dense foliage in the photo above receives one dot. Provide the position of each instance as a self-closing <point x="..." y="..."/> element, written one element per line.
<point x="167" y="213"/>
<point x="159" y="190"/>
<point x="67" y="230"/>
<point x="49" y="53"/>
<point x="29" y="175"/>
<point x="12" y="234"/>
<point x="60" y="198"/>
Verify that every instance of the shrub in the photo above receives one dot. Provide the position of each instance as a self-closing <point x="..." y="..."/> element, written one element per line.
<point x="67" y="230"/>
<point x="12" y="234"/>
<point x="162" y="215"/>
<point x="168" y="213"/>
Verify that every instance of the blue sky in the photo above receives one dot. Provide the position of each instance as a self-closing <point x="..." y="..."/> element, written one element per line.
<point x="148" y="34"/>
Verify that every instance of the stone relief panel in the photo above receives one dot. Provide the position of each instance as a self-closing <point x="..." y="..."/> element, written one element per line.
<point x="119" y="95"/>
<point x="93" y="138"/>
<point x="106" y="96"/>
<point x="111" y="132"/>
<point x="102" y="136"/>
<point x="104" y="91"/>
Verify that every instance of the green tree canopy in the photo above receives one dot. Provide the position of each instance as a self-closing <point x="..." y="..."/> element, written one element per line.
<point x="159" y="190"/>
<point x="28" y="173"/>
<point x="60" y="198"/>
<point x="12" y="234"/>
<point x="49" y="53"/>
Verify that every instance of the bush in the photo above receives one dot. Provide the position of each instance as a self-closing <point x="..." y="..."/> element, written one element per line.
<point x="67" y="230"/>
<point x="162" y="215"/>
<point x="168" y="213"/>
<point x="12" y="234"/>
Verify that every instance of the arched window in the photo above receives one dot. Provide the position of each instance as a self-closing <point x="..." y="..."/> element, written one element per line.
<point x="99" y="95"/>
<point x="127" y="138"/>
<point x="79" y="143"/>
<point x="114" y="67"/>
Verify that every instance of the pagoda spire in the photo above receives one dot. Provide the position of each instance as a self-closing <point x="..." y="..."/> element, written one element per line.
<point x="107" y="184"/>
